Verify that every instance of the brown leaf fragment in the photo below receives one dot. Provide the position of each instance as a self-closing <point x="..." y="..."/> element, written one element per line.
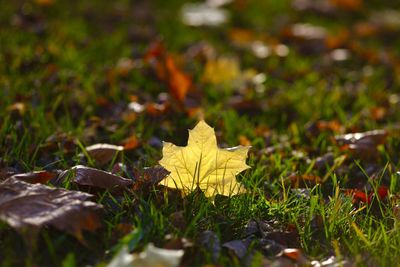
<point x="149" y="177"/>
<point x="103" y="153"/>
<point x="94" y="178"/>
<point x="375" y="137"/>
<point x="238" y="247"/>
<point x="363" y="145"/>
<point x="27" y="206"/>
<point x="284" y="238"/>
<point x="36" y="177"/>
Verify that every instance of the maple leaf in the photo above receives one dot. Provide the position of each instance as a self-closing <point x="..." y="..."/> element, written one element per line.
<point x="202" y="164"/>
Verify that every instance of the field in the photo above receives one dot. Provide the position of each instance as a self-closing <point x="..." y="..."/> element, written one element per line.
<point x="311" y="87"/>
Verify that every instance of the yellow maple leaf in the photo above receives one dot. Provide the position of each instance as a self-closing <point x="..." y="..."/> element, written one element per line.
<point x="202" y="164"/>
<point x="221" y="70"/>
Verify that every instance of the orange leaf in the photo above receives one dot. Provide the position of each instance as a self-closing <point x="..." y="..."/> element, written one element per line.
<point x="351" y="5"/>
<point x="179" y="83"/>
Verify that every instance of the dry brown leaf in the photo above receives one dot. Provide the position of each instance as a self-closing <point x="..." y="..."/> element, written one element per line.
<point x="40" y="177"/>
<point x="98" y="179"/>
<point x="149" y="177"/>
<point x="103" y="153"/>
<point x="238" y="247"/>
<point x="363" y="145"/>
<point x="27" y="206"/>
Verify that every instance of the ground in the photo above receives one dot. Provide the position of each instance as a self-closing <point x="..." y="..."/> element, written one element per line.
<point x="312" y="86"/>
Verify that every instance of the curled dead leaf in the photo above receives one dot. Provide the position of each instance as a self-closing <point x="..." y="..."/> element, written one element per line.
<point x="35" y="177"/>
<point x="363" y="145"/>
<point x="238" y="247"/>
<point x="149" y="177"/>
<point x="26" y="206"/>
<point x="103" y="153"/>
<point x="97" y="179"/>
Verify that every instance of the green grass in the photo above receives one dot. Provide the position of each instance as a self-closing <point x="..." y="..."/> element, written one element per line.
<point x="57" y="61"/>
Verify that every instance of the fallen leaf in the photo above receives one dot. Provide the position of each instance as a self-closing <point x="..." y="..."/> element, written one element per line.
<point x="27" y="206"/>
<point x="244" y="141"/>
<point x="103" y="153"/>
<point x="168" y="71"/>
<point x="202" y="164"/>
<point x="374" y="137"/>
<point x="363" y="145"/>
<point x="238" y="247"/>
<point x="221" y="70"/>
<point x="149" y="177"/>
<point x="151" y="256"/>
<point x="131" y="142"/>
<point x="365" y="197"/>
<point x="40" y="177"/>
<point x="94" y="178"/>
<point x="179" y="83"/>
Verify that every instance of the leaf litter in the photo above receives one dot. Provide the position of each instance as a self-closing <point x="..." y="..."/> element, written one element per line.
<point x="29" y="207"/>
<point x="339" y="63"/>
